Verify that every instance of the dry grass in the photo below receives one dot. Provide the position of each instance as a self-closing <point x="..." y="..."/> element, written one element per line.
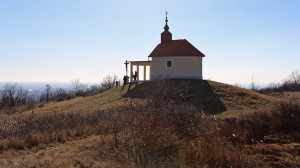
<point x="111" y="99"/>
<point x="235" y="98"/>
<point x="165" y="135"/>
<point x="76" y="153"/>
<point x="165" y="130"/>
<point x="215" y="97"/>
<point x="294" y="96"/>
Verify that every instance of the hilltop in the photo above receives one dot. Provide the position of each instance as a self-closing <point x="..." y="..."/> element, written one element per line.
<point x="212" y="97"/>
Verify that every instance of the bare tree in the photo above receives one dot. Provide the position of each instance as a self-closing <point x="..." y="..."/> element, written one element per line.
<point x="294" y="77"/>
<point x="109" y="81"/>
<point x="14" y="94"/>
<point x="75" y="84"/>
<point x="48" y="92"/>
<point x="78" y="87"/>
<point x="254" y="85"/>
<point x="94" y="89"/>
<point x="274" y="85"/>
<point x="61" y="94"/>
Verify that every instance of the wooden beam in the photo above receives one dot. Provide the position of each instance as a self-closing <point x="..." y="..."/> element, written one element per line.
<point x="131" y="72"/>
<point x="144" y="72"/>
<point x="150" y="73"/>
<point x="138" y="71"/>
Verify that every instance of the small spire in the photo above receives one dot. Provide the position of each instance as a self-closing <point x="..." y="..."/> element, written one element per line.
<point x="166" y="36"/>
<point x="166" y="26"/>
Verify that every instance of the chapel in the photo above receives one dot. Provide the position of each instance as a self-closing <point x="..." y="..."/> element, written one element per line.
<point x="169" y="59"/>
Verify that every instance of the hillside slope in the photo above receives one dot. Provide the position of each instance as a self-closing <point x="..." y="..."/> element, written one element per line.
<point x="98" y="131"/>
<point x="214" y="97"/>
<point x="111" y="99"/>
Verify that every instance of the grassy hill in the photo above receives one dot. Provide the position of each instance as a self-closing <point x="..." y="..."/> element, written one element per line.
<point x="213" y="97"/>
<point x="122" y="128"/>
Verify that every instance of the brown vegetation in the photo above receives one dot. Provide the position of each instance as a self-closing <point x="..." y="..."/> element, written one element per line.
<point x="214" y="97"/>
<point x="14" y="98"/>
<point x="291" y="84"/>
<point x="167" y="131"/>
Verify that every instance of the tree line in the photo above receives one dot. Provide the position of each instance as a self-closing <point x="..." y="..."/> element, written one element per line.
<point x="14" y="97"/>
<point x="290" y="84"/>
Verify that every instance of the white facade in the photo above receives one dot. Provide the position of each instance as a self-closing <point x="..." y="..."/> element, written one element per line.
<point x="188" y="67"/>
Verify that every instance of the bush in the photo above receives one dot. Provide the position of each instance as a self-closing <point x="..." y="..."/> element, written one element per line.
<point x="291" y="84"/>
<point x="289" y="114"/>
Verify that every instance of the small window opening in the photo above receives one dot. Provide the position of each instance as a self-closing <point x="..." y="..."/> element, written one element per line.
<point x="169" y="64"/>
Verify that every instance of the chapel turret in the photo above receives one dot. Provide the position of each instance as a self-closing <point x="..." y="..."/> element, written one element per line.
<point x="166" y="36"/>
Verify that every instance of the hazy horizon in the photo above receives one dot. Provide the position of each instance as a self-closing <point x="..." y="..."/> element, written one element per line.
<point x="68" y="85"/>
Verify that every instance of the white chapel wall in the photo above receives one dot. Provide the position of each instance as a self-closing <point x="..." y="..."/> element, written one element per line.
<point x="182" y="67"/>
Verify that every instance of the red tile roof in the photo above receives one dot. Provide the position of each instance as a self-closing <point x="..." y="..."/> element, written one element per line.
<point x="176" y="48"/>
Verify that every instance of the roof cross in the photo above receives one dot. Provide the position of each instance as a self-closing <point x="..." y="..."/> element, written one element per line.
<point x="166" y="17"/>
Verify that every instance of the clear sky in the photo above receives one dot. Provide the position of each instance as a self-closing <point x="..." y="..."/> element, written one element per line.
<point x="61" y="40"/>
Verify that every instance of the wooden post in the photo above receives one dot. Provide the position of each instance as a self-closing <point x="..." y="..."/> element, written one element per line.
<point x="144" y="72"/>
<point x="131" y="72"/>
<point x="138" y="71"/>
<point x="150" y="73"/>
